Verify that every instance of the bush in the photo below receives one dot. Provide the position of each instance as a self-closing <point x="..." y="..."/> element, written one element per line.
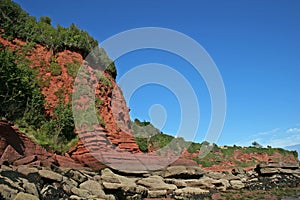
<point x="18" y="87"/>
<point x="72" y="68"/>
<point x="194" y="147"/>
<point x="142" y="143"/>
<point x="58" y="130"/>
<point x="55" y="68"/>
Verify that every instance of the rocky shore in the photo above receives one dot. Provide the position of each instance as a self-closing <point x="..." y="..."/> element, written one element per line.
<point x="30" y="172"/>
<point x="175" y="182"/>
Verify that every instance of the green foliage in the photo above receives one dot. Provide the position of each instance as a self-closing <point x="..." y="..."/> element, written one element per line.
<point x="142" y="143"/>
<point x="17" y="87"/>
<point x="22" y="101"/>
<point x="111" y="70"/>
<point x="72" y="68"/>
<point x="139" y="123"/>
<point x="194" y="147"/>
<point x="45" y="19"/>
<point x="12" y="19"/>
<point x="18" y="24"/>
<point x="55" y="68"/>
<point x="58" y="130"/>
<point x="159" y="141"/>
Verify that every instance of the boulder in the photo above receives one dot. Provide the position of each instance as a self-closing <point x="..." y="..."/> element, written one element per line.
<point x="47" y="174"/>
<point x="7" y="192"/>
<point x="80" y="192"/>
<point x="178" y="182"/>
<point x="25" y="160"/>
<point x="25" y="196"/>
<point x="184" y="172"/>
<point x="26" y="170"/>
<point x="76" y="175"/>
<point x="114" y="181"/>
<point x="156" y="183"/>
<point x="157" y="193"/>
<point x="188" y="192"/>
<point x="94" y="187"/>
<point x="29" y="188"/>
<point x="237" y="184"/>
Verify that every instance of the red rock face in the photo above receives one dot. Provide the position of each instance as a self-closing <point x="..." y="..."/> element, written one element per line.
<point x="117" y="125"/>
<point x="17" y="149"/>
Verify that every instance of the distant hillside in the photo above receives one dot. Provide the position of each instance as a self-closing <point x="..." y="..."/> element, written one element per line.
<point x="294" y="148"/>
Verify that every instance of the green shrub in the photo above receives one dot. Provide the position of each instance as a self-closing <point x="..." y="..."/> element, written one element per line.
<point x="18" y="87"/>
<point x="58" y="130"/>
<point x="55" y="68"/>
<point x="142" y="143"/>
<point x="72" y="68"/>
<point x="194" y="147"/>
<point x="159" y="141"/>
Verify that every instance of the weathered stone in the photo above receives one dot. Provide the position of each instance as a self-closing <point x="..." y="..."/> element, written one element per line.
<point x="156" y="183"/>
<point x="80" y="192"/>
<point x="236" y="184"/>
<point x="74" y="197"/>
<point x="25" y="170"/>
<point x="5" y="168"/>
<point x="76" y="175"/>
<point x="7" y="193"/>
<point x="179" y="183"/>
<point x="10" y="155"/>
<point x="29" y="187"/>
<point x="183" y="172"/>
<point x="204" y="183"/>
<point x="187" y="192"/>
<point x="64" y="161"/>
<point x="53" y="192"/>
<point x="238" y="170"/>
<point x="94" y="187"/>
<point x="25" y="160"/>
<point x="114" y="181"/>
<point x="11" y="178"/>
<point x="157" y="193"/>
<point x="50" y="175"/>
<point x="25" y="196"/>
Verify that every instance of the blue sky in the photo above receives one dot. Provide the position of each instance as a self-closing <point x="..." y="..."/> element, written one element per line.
<point x="255" y="45"/>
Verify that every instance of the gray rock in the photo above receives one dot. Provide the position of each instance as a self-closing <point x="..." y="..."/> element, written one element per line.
<point x="156" y="183"/>
<point x="183" y="172"/>
<point x="94" y="187"/>
<point x="237" y="184"/>
<point x="157" y="193"/>
<point x="76" y="175"/>
<point x="178" y="182"/>
<point x="203" y="183"/>
<point x="29" y="188"/>
<point x="50" y="175"/>
<point x="25" y="170"/>
<point x="215" y="175"/>
<point x="7" y="192"/>
<point x="8" y="177"/>
<point x="25" y="196"/>
<point x="187" y="192"/>
<point x="114" y="181"/>
<point x="81" y="192"/>
<point x="74" y="197"/>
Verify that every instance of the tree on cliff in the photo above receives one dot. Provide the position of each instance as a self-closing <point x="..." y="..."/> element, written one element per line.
<point x="16" y="23"/>
<point x="256" y="145"/>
